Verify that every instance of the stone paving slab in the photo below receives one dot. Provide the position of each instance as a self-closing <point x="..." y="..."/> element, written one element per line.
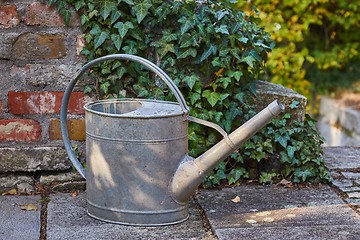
<point x="342" y="158"/>
<point x="18" y="224"/>
<point x="67" y="219"/>
<point x="270" y="212"/>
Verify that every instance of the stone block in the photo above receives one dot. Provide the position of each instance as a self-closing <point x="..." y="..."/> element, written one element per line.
<point x="48" y="179"/>
<point x="354" y="195"/>
<point x="269" y="212"/>
<point x="342" y="158"/>
<point x="44" y="75"/>
<point x="33" y="46"/>
<point x="31" y="159"/>
<point x="16" y="223"/>
<point x="11" y="181"/>
<point x="342" y="183"/>
<point x="268" y="92"/>
<point x="351" y="175"/>
<point x="67" y="219"/>
<point x="7" y="40"/>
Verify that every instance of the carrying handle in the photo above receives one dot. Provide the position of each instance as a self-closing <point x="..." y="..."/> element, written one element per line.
<point x="65" y="101"/>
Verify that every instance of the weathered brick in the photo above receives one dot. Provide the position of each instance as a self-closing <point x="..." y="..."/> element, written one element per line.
<point x="30" y="159"/>
<point x="41" y="14"/>
<point x="39" y="46"/>
<point x="8" y="16"/>
<point x="19" y="130"/>
<point x="76" y="129"/>
<point x="43" y="102"/>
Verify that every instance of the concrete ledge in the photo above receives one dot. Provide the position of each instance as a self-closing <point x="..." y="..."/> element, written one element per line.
<point x="31" y="159"/>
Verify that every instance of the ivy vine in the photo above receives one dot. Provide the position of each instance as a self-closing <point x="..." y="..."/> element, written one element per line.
<point x="212" y="52"/>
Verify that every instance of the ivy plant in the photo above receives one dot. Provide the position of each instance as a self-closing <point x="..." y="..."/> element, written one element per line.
<point x="212" y="51"/>
<point x="284" y="149"/>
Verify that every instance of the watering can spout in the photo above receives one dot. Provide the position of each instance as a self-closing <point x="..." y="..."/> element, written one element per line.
<point x="191" y="172"/>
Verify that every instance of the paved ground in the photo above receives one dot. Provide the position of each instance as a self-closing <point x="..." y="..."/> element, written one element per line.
<point x="263" y="212"/>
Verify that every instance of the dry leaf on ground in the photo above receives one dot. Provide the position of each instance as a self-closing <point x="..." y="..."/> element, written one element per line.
<point x="74" y="193"/>
<point x="285" y="183"/>
<point x="10" y="192"/>
<point x="29" y="207"/>
<point x="236" y="199"/>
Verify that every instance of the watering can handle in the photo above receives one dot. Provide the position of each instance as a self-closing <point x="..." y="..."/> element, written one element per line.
<point x="66" y="97"/>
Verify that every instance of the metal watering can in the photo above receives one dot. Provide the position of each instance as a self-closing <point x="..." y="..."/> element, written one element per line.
<point x="138" y="168"/>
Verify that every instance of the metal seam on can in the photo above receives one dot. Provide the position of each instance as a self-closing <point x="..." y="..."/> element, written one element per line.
<point x="159" y="141"/>
<point x="180" y="209"/>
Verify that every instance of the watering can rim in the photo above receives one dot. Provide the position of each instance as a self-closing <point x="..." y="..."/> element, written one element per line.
<point x="174" y="112"/>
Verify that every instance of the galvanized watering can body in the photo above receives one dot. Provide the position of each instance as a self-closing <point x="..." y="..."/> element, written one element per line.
<point x="138" y="169"/>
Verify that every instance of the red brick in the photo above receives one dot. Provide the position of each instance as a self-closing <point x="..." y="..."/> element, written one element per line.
<point x="43" y="102"/>
<point x="8" y="16"/>
<point x="19" y="130"/>
<point x="41" y="14"/>
<point x="39" y="46"/>
<point x="76" y="129"/>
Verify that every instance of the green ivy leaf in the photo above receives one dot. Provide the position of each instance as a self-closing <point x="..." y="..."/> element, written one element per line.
<point x="189" y="52"/>
<point x="187" y="40"/>
<point x="282" y="139"/>
<point x="236" y="173"/>
<point x="225" y="81"/>
<point x="105" y="87"/>
<point x="107" y="6"/>
<point x="220" y="14"/>
<point x="115" y="38"/>
<point x="237" y="75"/>
<point x="194" y="97"/>
<point x="141" y="9"/>
<point x="187" y="25"/>
<point x="249" y="60"/>
<point x="115" y="15"/>
<point x="304" y="174"/>
<point x="123" y="28"/>
<point x="169" y="36"/>
<point x="222" y="29"/>
<point x="100" y="39"/>
<point x="211" y="50"/>
<point x="290" y="150"/>
<point x="191" y="80"/>
<point x="212" y="97"/>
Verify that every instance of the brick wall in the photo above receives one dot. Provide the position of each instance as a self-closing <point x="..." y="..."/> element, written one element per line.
<point x="38" y="57"/>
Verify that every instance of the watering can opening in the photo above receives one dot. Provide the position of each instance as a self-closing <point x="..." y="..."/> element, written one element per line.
<point x="134" y="108"/>
<point x="113" y="107"/>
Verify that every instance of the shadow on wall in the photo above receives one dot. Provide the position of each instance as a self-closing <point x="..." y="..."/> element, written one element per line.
<point x="339" y="120"/>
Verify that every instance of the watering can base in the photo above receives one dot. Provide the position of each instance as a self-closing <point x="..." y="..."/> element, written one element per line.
<point x="139" y="218"/>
